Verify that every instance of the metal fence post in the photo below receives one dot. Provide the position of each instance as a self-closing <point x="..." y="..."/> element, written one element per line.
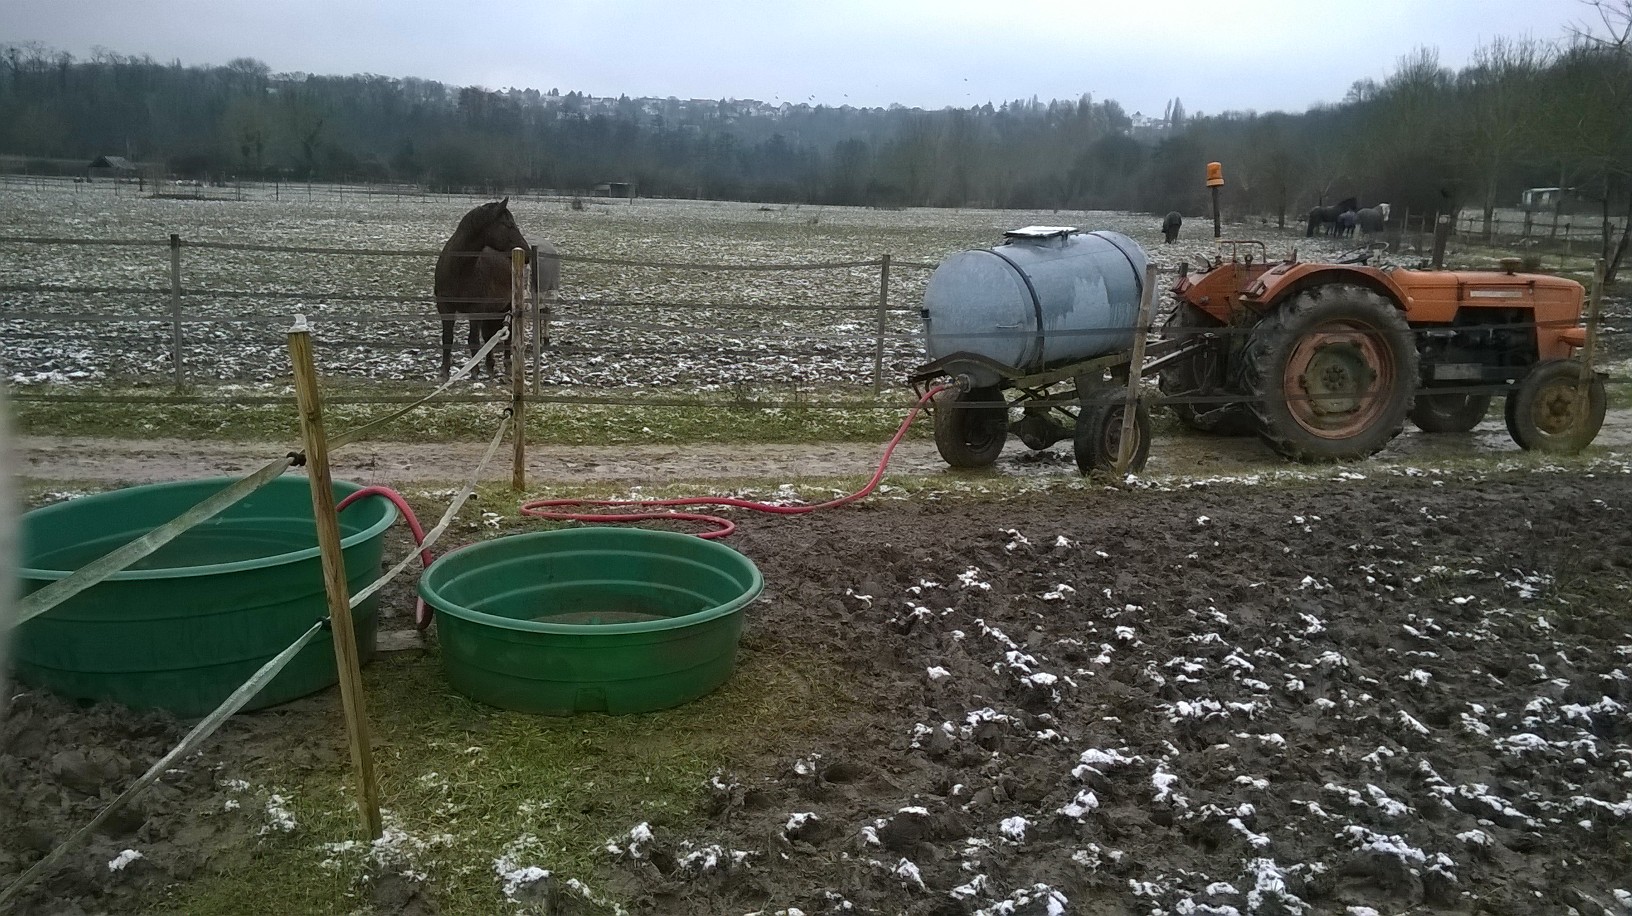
<point x="1589" y="349"/>
<point x="538" y="336"/>
<point x="175" y="308"/>
<point x="883" y="313"/>
<point x="518" y="367"/>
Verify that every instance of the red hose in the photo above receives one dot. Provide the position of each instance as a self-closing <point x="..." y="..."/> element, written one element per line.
<point x="537" y="508"/>
<point x="422" y="613"/>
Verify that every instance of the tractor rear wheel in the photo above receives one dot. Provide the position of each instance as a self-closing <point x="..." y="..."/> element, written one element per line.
<point x="1201" y="375"/>
<point x="1098" y="440"/>
<point x="971" y="426"/>
<point x="1545" y="412"/>
<point x="1449" y="413"/>
<point x="1332" y="373"/>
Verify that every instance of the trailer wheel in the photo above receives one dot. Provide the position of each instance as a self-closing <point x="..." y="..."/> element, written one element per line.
<point x="1449" y="413"/>
<point x="1202" y="372"/>
<point x="1332" y="374"/>
<point x="1099" y="432"/>
<point x="970" y="427"/>
<point x="1543" y="414"/>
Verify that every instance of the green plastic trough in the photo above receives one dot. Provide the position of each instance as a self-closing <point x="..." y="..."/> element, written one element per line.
<point x="189" y="624"/>
<point x="598" y="619"/>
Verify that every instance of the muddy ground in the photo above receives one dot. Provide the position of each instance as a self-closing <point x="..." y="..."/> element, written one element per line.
<point x="1381" y="687"/>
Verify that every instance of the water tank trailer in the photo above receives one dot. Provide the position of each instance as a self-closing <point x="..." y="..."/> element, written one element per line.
<point x="1048" y="316"/>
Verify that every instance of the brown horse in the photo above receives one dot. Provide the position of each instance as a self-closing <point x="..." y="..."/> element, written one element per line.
<point x="473" y="277"/>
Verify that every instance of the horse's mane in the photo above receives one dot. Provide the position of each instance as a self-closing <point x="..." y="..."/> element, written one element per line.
<point x="477" y="219"/>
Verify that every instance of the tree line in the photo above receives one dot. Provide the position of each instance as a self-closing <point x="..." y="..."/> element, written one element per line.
<point x="1428" y="139"/>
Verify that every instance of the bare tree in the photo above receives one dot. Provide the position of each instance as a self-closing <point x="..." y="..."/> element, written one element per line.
<point x="1601" y="63"/>
<point x="1499" y="94"/>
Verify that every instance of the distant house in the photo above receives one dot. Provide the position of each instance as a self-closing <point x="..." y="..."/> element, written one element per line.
<point x="110" y="167"/>
<point x="1546" y="198"/>
<point x="615" y="189"/>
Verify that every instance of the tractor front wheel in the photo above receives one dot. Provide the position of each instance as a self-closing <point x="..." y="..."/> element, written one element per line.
<point x="1449" y="413"/>
<point x="971" y="426"/>
<point x="1201" y="375"/>
<point x="1547" y="413"/>
<point x="1332" y="373"/>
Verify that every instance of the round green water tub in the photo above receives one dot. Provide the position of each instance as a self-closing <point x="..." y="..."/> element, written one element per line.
<point x="598" y="619"/>
<point x="187" y="625"/>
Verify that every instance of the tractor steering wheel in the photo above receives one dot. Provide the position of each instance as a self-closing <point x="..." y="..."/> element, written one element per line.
<point x="1362" y="254"/>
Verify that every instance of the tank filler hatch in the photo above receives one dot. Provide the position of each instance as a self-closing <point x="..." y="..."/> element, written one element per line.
<point x="1039" y="232"/>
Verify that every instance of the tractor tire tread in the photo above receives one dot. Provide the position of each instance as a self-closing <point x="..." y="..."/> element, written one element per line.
<point x="1263" y="362"/>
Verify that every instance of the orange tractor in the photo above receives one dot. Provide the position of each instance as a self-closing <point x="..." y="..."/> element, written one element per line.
<point x="1326" y="361"/>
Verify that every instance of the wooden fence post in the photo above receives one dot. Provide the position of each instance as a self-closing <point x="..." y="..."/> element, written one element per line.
<point x="518" y="367"/>
<point x="10" y="556"/>
<point x="175" y="308"/>
<point x="883" y="314"/>
<point x="334" y="575"/>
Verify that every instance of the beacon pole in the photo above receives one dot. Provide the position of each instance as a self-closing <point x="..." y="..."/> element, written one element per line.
<point x="1215" y="180"/>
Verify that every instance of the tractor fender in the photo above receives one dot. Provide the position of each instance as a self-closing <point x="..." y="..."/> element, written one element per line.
<point x="1278" y="286"/>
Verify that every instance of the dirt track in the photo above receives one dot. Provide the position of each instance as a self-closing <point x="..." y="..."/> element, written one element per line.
<point x="147" y="461"/>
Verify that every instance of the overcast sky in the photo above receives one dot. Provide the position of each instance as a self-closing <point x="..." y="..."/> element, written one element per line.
<point x="1215" y="55"/>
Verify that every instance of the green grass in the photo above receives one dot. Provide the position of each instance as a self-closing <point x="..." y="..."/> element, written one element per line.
<point x="468" y="782"/>
<point x="718" y="418"/>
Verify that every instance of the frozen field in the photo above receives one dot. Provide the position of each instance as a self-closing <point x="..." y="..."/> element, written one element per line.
<point x="618" y="326"/>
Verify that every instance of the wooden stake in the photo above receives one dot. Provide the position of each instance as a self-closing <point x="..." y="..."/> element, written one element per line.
<point x="1136" y="371"/>
<point x="518" y="368"/>
<point x="334" y="575"/>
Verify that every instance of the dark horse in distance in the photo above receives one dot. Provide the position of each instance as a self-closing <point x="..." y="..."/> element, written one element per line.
<point x="1323" y="220"/>
<point x="473" y="276"/>
<point x="1170" y="227"/>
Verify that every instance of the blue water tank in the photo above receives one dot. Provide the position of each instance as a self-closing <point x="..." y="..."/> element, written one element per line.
<point x="1045" y="297"/>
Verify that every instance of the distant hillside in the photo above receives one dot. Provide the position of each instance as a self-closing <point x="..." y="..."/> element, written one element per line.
<point x="1427" y="139"/>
